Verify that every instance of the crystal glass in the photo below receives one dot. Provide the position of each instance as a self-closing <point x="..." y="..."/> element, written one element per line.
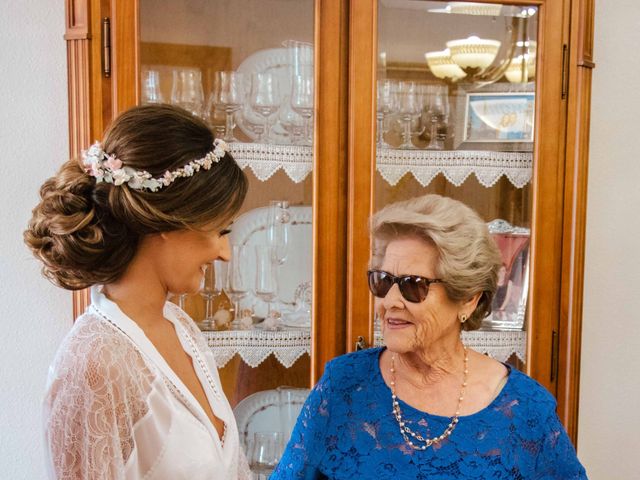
<point x="386" y="101"/>
<point x="265" y="100"/>
<point x="187" y="91"/>
<point x="212" y="286"/>
<point x="302" y="103"/>
<point x="266" y="286"/>
<point x="228" y="96"/>
<point x="409" y="109"/>
<point x="151" y="92"/>
<point x="278" y="229"/>
<point x="237" y="281"/>
<point x="265" y="453"/>
<point x="437" y="114"/>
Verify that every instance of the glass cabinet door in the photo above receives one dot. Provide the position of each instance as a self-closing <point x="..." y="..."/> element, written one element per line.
<point x="454" y="99"/>
<point x="455" y="104"/>
<point x="247" y="69"/>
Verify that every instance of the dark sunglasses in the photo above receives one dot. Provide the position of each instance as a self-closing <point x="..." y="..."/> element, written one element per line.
<point x="413" y="288"/>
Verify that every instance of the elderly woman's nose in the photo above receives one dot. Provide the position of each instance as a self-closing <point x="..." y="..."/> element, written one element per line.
<point x="393" y="298"/>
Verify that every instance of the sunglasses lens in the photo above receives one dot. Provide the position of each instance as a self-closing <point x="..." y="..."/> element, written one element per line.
<point x="413" y="289"/>
<point x="379" y="283"/>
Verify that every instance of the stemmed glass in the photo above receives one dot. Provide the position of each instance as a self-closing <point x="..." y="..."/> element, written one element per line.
<point x="278" y="223"/>
<point x="266" y="280"/>
<point x="265" y="100"/>
<point x="237" y="281"/>
<point x="214" y="282"/>
<point x="228" y="96"/>
<point x="437" y="113"/>
<point x="302" y="103"/>
<point x="265" y="453"/>
<point x="151" y="92"/>
<point x="187" y="91"/>
<point x="385" y="104"/>
<point x="410" y="107"/>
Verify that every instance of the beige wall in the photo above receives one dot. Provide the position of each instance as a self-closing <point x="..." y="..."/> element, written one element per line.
<point x="35" y="315"/>
<point x="610" y="371"/>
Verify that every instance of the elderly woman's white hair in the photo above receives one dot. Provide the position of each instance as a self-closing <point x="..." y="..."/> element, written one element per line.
<point x="469" y="260"/>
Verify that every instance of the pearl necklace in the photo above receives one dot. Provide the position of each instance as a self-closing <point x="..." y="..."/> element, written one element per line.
<point x="405" y="431"/>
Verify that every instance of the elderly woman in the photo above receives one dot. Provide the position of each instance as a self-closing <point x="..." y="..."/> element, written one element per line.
<point x="426" y="406"/>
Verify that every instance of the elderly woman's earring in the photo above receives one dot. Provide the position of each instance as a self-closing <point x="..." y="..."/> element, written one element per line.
<point x="463" y="318"/>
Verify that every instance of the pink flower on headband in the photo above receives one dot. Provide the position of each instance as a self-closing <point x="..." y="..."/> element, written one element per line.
<point x="113" y="163"/>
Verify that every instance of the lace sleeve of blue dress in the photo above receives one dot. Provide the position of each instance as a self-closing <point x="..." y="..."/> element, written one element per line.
<point x="346" y="430"/>
<point x="307" y="444"/>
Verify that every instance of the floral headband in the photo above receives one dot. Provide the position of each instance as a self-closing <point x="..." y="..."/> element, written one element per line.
<point x="107" y="168"/>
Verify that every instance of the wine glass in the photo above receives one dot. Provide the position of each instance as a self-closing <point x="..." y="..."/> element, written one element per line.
<point x="385" y="104"/>
<point x="265" y="100"/>
<point x="187" y="92"/>
<point x="237" y="281"/>
<point x="437" y="112"/>
<point x="410" y="107"/>
<point x="302" y="103"/>
<point x="265" y="453"/>
<point x="212" y="286"/>
<point x="266" y="286"/>
<point x="228" y="96"/>
<point x="151" y="92"/>
<point x="278" y="223"/>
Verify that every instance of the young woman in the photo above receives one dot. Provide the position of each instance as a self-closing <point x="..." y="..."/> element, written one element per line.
<point x="134" y="391"/>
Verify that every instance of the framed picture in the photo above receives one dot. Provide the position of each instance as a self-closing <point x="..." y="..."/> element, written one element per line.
<point x="491" y="119"/>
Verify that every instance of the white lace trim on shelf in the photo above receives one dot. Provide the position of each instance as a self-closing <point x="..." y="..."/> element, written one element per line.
<point x="254" y="346"/>
<point x="498" y="345"/>
<point x="265" y="159"/>
<point x="456" y="166"/>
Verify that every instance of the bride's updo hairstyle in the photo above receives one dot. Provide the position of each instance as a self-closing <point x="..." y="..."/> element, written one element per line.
<point x="86" y="231"/>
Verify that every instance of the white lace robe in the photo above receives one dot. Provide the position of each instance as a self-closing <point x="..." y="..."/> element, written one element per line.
<point x="114" y="409"/>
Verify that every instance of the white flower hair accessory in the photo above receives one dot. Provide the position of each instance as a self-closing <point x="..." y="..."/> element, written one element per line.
<point x="108" y="169"/>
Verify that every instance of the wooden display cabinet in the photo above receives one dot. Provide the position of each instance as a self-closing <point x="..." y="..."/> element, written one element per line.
<point x="106" y="52"/>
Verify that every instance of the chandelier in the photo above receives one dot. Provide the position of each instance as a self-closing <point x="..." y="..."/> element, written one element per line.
<point x="483" y="60"/>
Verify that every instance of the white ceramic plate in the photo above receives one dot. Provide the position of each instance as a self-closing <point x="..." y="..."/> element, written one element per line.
<point x="250" y="229"/>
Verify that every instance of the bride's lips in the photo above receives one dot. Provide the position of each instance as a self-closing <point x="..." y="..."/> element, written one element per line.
<point x="397" y="323"/>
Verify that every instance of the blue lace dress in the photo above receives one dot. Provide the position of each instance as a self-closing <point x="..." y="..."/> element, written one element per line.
<point x="346" y="431"/>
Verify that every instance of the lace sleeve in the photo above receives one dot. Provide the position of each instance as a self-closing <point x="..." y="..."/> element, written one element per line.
<point x="96" y="392"/>
<point x="244" y="472"/>
<point x="558" y="459"/>
<point x="304" y="452"/>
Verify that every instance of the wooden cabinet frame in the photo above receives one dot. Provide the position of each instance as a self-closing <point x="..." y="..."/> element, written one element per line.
<point x="344" y="170"/>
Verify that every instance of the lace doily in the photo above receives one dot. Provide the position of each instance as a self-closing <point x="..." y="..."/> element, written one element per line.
<point x="455" y="165"/>
<point x="498" y="345"/>
<point x="254" y="346"/>
<point x="266" y="159"/>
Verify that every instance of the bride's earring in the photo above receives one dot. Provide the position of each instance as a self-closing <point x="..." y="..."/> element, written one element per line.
<point x="463" y="318"/>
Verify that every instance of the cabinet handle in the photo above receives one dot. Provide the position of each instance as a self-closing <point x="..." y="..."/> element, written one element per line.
<point x="554" y="356"/>
<point x="361" y="343"/>
<point x="565" y="71"/>
<point x="106" y="47"/>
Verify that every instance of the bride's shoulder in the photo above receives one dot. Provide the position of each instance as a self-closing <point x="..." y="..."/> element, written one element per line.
<point x="95" y="345"/>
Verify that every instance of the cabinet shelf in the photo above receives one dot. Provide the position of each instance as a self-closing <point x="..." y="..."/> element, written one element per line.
<point x="254" y="346"/>
<point x="393" y="164"/>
